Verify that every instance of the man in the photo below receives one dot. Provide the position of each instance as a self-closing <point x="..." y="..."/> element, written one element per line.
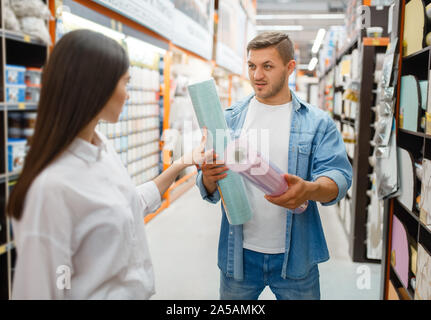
<point x="277" y="248"/>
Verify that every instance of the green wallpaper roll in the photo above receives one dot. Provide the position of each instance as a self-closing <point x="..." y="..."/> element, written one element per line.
<point x="209" y="113"/>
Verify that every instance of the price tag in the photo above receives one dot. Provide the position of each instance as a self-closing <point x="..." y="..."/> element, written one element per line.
<point x="21" y="106"/>
<point x="376" y="42"/>
<point x="428" y="123"/>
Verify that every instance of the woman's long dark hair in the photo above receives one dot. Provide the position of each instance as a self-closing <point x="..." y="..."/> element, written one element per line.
<point x="80" y="77"/>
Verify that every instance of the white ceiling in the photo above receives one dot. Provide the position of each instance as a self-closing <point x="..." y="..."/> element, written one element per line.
<point x="311" y="24"/>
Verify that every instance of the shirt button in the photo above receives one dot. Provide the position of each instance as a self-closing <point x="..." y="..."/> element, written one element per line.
<point x="231" y="233"/>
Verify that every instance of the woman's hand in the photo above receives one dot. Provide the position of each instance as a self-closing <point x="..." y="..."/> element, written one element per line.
<point x="198" y="156"/>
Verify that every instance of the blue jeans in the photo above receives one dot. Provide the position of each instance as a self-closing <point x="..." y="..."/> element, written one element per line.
<point x="261" y="270"/>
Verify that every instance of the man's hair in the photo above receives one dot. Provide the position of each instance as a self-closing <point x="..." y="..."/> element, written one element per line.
<point x="278" y="40"/>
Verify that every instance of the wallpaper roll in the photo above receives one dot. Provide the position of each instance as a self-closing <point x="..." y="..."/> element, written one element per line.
<point x="209" y="113"/>
<point x="240" y="157"/>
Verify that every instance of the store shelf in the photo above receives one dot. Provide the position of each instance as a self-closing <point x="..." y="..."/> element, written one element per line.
<point x="417" y="53"/>
<point x="378" y="42"/>
<point x="409" y="212"/>
<point x="340" y="55"/>
<point x="10" y="177"/>
<point x="394" y="276"/>
<point x="7" y="247"/>
<point x="144" y="157"/>
<point x="143" y="103"/>
<point x="23" y="106"/>
<point x="362" y="149"/>
<point x="414" y="133"/>
<point x="144" y="89"/>
<point x="143" y="170"/>
<point x="113" y="136"/>
<point x="18" y="36"/>
<point x="425" y="237"/>
<point x="348" y="121"/>
<point x="140" y="117"/>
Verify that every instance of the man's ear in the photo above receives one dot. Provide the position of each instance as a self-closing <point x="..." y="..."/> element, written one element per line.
<point x="291" y="66"/>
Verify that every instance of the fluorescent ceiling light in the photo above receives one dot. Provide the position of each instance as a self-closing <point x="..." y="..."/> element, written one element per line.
<point x="313" y="64"/>
<point x="74" y="22"/>
<point x="280" y="28"/>
<point x="300" y="17"/>
<point x="319" y="39"/>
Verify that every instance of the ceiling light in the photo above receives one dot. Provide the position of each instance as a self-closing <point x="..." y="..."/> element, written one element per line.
<point x="319" y="39"/>
<point x="300" y="17"/>
<point x="313" y="64"/>
<point x="280" y="28"/>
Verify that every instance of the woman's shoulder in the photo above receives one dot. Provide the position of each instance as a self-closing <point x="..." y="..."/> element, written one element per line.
<point x="51" y="181"/>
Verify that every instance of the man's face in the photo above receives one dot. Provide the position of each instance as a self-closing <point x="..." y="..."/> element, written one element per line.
<point x="268" y="73"/>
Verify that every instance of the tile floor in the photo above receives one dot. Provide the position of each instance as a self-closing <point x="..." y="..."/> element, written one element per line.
<point x="183" y="242"/>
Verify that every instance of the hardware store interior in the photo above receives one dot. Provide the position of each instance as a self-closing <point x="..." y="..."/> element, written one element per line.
<point x="345" y="194"/>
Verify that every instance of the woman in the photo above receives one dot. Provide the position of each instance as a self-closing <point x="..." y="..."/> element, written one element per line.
<point x="77" y="217"/>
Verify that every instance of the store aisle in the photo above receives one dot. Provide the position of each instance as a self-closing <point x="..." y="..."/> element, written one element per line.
<point x="183" y="242"/>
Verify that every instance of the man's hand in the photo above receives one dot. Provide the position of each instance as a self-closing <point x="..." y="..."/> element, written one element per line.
<point x="295" y="196"/>
<point x="322" y="190"/>
<point x="213" y="172"/>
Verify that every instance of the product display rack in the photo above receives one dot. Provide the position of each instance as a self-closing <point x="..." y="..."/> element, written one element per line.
<point x="21" y="49"/>
<point x="16" y="49"/>
<point x="355" y="121"/>
<point x="397" y="285"/>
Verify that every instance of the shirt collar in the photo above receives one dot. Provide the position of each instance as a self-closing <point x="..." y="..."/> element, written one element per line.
<point x="88" y="151"/>
<point x="296" y="103"/>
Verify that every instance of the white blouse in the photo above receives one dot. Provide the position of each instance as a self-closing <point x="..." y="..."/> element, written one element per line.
<point x="82" y="234"/>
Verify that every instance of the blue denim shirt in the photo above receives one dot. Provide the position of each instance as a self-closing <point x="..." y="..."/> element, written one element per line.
<point x="316" y="149"/>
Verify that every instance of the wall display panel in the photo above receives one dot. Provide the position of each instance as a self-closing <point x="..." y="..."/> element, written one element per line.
<point x="194" y="24"/>
<point x="231" y="37"/>
<point x="155" y="15"/>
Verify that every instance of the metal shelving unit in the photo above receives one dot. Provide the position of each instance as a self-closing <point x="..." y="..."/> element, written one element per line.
<point x="418" y="143"/>
<point x="18" y="49"/>
<point x="354" y="219"/>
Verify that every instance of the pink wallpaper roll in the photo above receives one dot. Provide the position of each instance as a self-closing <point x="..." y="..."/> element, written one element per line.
<point x="250" y="164"/>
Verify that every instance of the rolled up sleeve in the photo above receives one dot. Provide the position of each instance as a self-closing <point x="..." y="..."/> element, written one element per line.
<point x="150" y="196"/>
<point x="212" y="198"/>
<point x="330" y="160"/>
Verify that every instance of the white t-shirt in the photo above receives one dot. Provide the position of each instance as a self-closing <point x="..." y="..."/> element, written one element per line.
<point x="83" y="219"/>
<point x="266" y="231"/>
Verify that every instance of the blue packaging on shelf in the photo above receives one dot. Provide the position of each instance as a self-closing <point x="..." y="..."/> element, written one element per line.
<point x="15" y="74"/>
<point x="15" y="93"/>
<point x="16" y="152"/>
